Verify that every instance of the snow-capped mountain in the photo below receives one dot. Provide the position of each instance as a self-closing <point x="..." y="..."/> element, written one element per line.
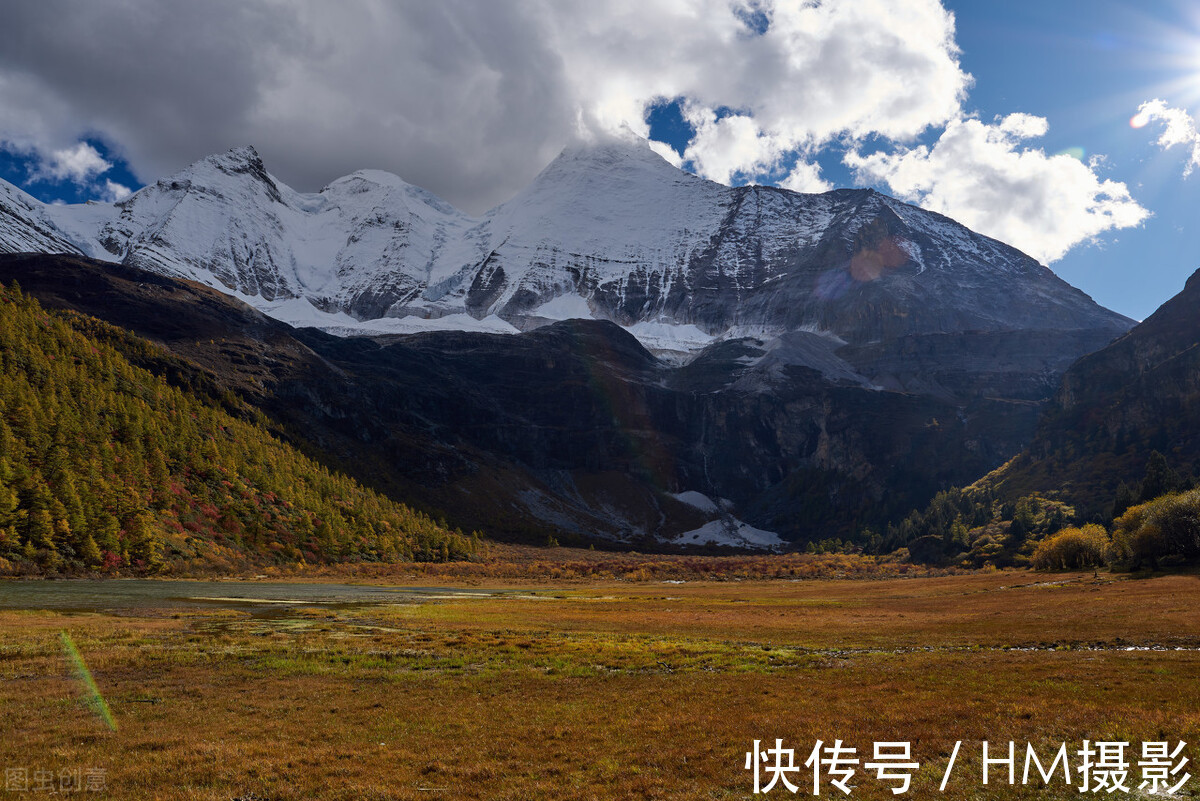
<point x="608" y="230"/>
<point x="360" y="245"/>
<point x="645" y="244"/>
<point x="25" y="226"/>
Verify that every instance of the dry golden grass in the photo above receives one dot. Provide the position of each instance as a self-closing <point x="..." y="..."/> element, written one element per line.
<point x="611" y="689"/>
<point x="525" y="563"/>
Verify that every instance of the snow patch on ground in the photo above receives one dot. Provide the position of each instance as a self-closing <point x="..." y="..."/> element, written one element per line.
<point x="732" y="532"/>
<point x="767" y="334"/>
<point x="300" y="313"/>
<point x="696" y="499"/>
<point x="670" y="336"/>
<point x="914" y="252"/>
<point x="565" y="307"/>
<point x="82" y="223"/>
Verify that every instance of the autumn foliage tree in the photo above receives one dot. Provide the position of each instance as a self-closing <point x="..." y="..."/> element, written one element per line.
<point x="1167" y="527"/>
<point x="1073" y="548"/>
<point x="103" y="465"/>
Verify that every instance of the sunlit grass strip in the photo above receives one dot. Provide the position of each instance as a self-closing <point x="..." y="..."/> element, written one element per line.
<point x="91" y="692"/>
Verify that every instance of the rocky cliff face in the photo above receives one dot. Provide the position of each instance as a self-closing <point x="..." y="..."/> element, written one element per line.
<point x="574" y="429"/>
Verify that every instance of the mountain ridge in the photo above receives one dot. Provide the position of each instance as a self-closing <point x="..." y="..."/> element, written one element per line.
<point x="574" y="430"/>
<point x="1114" y="408"/>
<point x="815" y="363"/>
<point x="610" y="228"/>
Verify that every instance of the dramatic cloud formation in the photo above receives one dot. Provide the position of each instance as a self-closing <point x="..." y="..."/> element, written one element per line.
<point x="761" y="80"/>
<point x="1180" y="129"/>
<point x="469" y="98"/>
<point x="979" y="175"/>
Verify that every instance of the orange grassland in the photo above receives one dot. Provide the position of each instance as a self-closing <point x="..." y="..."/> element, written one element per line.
<point x="607" y="688"/>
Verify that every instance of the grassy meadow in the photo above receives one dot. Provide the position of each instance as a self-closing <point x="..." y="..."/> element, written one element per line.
<point x="598" y="688"/>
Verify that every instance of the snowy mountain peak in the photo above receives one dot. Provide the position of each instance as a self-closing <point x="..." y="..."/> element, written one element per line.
<point x="375" y="185"/>
<point x="236" y="160"/>
<point x="365" y="178"/>
<point x="608" y="229"/>
<point x="239" y="169"/>
<point x="615" y="152"/>
<point x="610" y="161"/>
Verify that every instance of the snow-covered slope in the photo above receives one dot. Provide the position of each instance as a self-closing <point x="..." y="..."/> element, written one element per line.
<point x="608" y="230"/>
<point x="647" y="246"/>
<point x="24" y="225"/>
<point x="361" y="244"/>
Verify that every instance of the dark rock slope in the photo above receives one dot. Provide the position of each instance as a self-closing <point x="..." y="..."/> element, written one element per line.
<point x="575" y="430"/>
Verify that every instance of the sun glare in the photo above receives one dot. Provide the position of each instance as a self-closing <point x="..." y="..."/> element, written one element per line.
<point x="1171" y="47"/>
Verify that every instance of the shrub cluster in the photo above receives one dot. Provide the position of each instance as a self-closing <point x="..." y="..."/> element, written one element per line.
<point x="1073" y="548"/>
<point x="1164" y="528"/>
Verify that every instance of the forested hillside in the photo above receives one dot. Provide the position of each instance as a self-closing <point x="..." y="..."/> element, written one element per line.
<point x="105" y="466"/>
<point x="1116" y="409"/>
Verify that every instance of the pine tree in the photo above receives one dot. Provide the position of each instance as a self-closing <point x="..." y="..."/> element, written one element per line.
<point x="1023" y="519"/>
<point x="145" y="550"/>
<point x="89" y="551"/>
<point x="1160" y="479"/>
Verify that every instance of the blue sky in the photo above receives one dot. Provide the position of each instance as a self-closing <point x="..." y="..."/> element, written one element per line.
<point x="470" y="99"/>
<point x="1086" y="67"/>
<point x="95" y="178"/>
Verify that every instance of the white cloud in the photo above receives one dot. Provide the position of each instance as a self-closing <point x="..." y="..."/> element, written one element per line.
<point x="980" y="175"/>
<point x="806" y="177"/>
<point x="820" y="71"/>
<point x="1024" y="126"/>
<point x="667" y="152"/>
<point x="115" y="192"/>
<point x="728" y="147"/>
<point x="1180" y="129"/>
<point x="77" y="164"/>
